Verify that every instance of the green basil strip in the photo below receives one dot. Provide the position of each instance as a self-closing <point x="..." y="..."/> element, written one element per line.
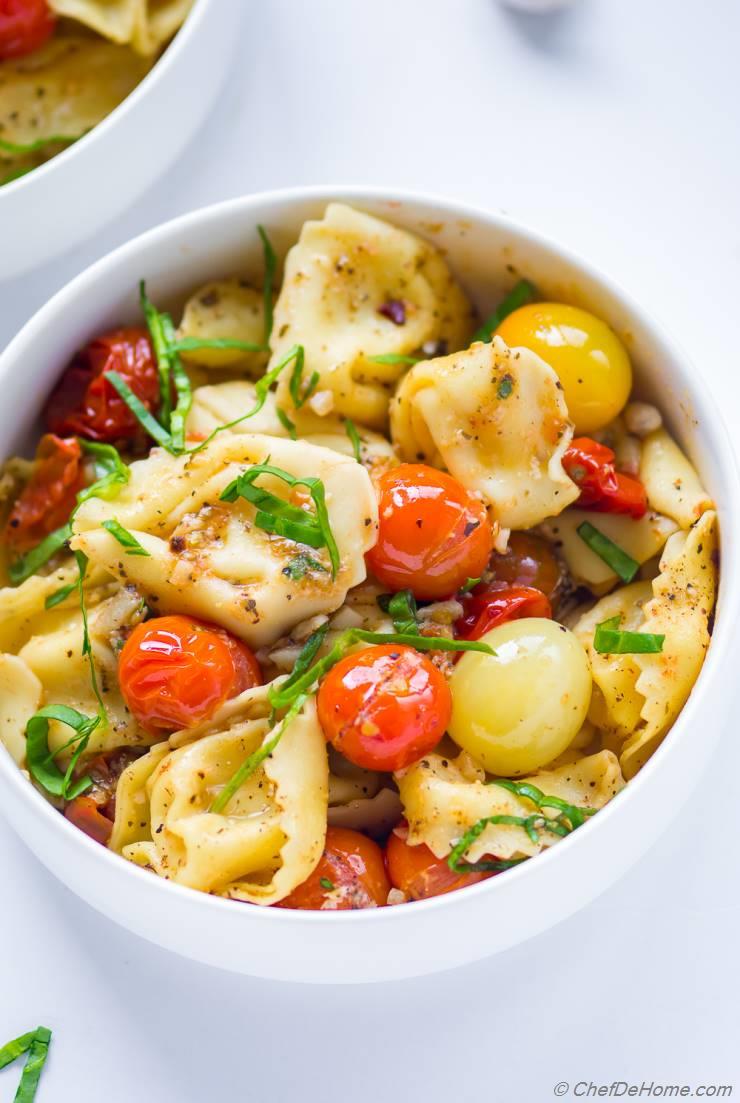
<point x="326" y="884"/>
<point x="192" y="344"/>
<point x="37" y="1054"/>
<point x="262" y="389"/>
<point x="469" y="585"/>
<point x="609" y="639"/>
<point x="41" y="764"/>
<point x="355" y="440"/>
<point x="183" y="390"/>
<point x="29" y="563"/>
<point x="269" y="280"/>
<point x="112" y="473"/>
<point x="124" y="538"/>
<point x="139" y="410"/>
<point x="525" y="789"/>
<point x="623" y="565"/>
<point x="38" y="143"/>
<point x="12" y="1050"/>
<point x="256" y="759"/>
<point x="284" y="694"/>
<point x="393" y="358"/>
<point x="155" y="324"/>
<point x="82" y="562"/>
<point x="302" y="664"/>
<point x="60" y="595"/>
<point x="300" y="565"/>
<point x="275" y="515"/>
<point x="298" y="392"/>
<point x="402" y="608"/>
<point x="286" y="422"/>
<point x="521" y="293"/>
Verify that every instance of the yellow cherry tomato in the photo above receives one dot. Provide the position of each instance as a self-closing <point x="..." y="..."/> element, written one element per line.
<point x="519" y="709"/>
<point x="587" y="356"/>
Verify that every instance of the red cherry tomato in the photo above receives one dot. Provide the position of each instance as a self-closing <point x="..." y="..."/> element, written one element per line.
<point x="604" y="489"/>
<point x="384" y="707"/>
<point x="528" y="561"/>
<point x="418" y="873"/>
<point x="49" y="497"/>
<point x="175" y="671"/>
<point x="84" y="813"/>
<point x="489" y="606"/>
<point x="350" y="875"/>
<point x="25" y="25"/>
<point x="85" y="403"/>
<point x="433" y="535"/>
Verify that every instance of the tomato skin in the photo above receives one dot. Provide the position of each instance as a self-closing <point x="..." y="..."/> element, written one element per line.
<point x="591" y="466"/>
<point x="432" y="535"/>
<point x="488" y="606"/>
<point x="84" y="813"/>
<point x="528" y="561"/>
<point x="25" y="25"/>
<point x="49" y="497"/>
<point x="175" y="671"/>
<point x="85" y="403"/>
<point x="418" y="873"/>
<point x="353" y="865"/>
<point x="384" y="707"/>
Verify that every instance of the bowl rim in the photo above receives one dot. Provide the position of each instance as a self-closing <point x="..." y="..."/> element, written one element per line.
<point x="708" y="414"/>
<point x="158" y="72"/>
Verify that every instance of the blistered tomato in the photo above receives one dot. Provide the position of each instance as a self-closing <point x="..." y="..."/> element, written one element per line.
<point x="432" y="534"/>
<point x="50" y="494"/>
<point x="175" y="671"/>
<point x="587" y="356"/>
<point x="85" y="403"/>
<point x="488" y="606"/>
<point x="418" y="873"/>
<point x="384" y="707"/>
<point x="25" y="25"/>
<point x="528" y="561"/>
<point x="350" y="875"/>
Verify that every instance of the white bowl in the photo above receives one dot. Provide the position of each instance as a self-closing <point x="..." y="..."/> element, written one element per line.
<point x="387" y="943"/>
<point x="74" y="194"/>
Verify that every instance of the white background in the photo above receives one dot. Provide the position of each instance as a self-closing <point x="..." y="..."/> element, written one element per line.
<point x="614" y="128"/>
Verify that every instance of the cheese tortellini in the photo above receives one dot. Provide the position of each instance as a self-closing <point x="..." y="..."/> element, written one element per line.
<point x="355" y="288"/>
<point x="496" y="419"/>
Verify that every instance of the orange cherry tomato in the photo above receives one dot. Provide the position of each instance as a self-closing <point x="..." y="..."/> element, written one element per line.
<point x="49" y="497"/>
<point x="85" y="403"/>
<point x="418" y="873"/>
<point x="528" y="561"/>
<point x="350" y="875"/>
<point x="25" y="25"/>
<point x="175" y="671"/>
<point x="432" y="536"/>
<point x="84" y="813"/>
<point x="489" y="606"/>
<point x="385" y="707"/>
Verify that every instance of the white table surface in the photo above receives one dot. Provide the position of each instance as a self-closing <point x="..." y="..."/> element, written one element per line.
<point x="614" y="127"/>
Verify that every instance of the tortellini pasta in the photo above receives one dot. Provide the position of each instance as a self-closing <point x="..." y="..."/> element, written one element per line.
<point x="354" y="288"/>
<point x="270" y="836"/>
<point x="444" y="798"/>
<point x="496" y="419"/>
<point x="230" y="309"/>
<point x="208" y="557"/>
<point x="672" y="484"/>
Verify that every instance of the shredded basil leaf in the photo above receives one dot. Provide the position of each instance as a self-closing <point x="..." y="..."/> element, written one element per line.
<point x="124" y="538"/>
<point x="183" y="390"/>
<point x="469" y="585"/>
<point x="155" y="324"/>
<point x="41" y="764"/>
<point x="393" y="358"/>
<point x="29" y="563"/>
<point x="140" y="412"/>
<point x="278" y="516"/>
<point x="609" y="639"/>
<point x="60" y="595"/>
<point x="285" y="421"/>
<point x="623" y="565"/>
<point x="269" y="280"/>
<point x="256" y="759"/>
<point x="112" y="473"/>
<point x="282" y="695"/>
<point x="402" y="608"/>
<point x="326" y="884"/>
<point x="300" y="565"/>
<point x="38" y="143"/>
<point x="12" y="1050"/>
<point x="262" y="389"/>
<point x="298" y="392"/>
<point x="82" y="562"/>
<point x="34" y="1066"/>
<point x="355" y="439"/>
<point x="521" y="293"/>
<point x="192" y="344"/>
<point x="505" y="387"/>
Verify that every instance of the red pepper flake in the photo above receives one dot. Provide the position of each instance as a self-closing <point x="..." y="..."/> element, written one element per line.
<point x="394" y="310"/>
